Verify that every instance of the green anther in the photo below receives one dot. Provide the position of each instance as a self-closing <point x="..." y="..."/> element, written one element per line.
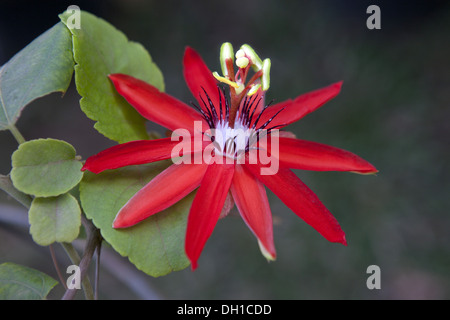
<point x="254" y="58"/>
<point x="226" y="52"/>
<point x="265" y="79"/>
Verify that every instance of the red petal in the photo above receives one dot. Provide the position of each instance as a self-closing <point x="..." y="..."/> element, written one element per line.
<point x="206" y="208"/>
<point x="130" y="153"/>
<point x="308" y="155"/>
<point x="167" y="188"/>
<point x="300" y="199"/>
<point x="198" y="77"/>
<point x="155" y="105"/>
<point x="300" y="106"/>
<point x="250" y="197"/>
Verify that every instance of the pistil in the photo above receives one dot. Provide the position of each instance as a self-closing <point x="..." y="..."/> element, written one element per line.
<point x="246" y="57"/>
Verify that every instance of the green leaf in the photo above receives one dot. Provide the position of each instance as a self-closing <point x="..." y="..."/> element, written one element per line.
<point x="22" y="283"/>
<point x="155" y="245"/>
<point x="54" y="219"/>
<point x="99" y="50"/>
<point x="42" y="67"/>
<point x="45" y="167"/>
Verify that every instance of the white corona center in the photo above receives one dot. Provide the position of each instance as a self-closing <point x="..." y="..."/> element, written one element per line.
<point x="232" y="142"/>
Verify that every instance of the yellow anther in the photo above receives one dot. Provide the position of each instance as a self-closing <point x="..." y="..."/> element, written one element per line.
<point x="225" y="80"/>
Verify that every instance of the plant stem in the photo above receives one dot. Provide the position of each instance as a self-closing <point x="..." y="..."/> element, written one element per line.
<point x="71" y="252"/>
<point x="25" y="200"/>
<point x="121" y="269"/>
<point x="75" y="259"/>
<point x="97" y="271"/>
<point x="7" y="186"/>
<point x="16" y="133"/>
<point x="94" y="240"/>
<point x="55" y="263"/>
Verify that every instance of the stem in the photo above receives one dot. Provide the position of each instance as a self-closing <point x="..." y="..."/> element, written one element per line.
<point x="25" y="200"/>
<point x="16" y="133"/>
<point x="93" y="242"/>
<point x="75" y="259"/>
<point x="121" y="269"/>
<point x="7" y="186"/>
<point x="71" y="252"/>
<point x="55" y="263"/>
<point x="97" y="271"/>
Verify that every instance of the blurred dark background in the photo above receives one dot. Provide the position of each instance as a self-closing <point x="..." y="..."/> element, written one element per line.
<point x="393" y="111"/>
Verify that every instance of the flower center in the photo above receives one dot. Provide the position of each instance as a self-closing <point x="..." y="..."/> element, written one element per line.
<point x="235" y="125"/>
<point x="232" y="142"/>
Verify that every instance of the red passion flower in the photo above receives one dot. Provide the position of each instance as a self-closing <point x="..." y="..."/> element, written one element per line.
<point x="221" y="152"/>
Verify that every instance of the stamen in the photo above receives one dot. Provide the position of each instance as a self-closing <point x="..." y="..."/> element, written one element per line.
<point x="225" y="80"/>
<point x="265" y="79"/>
<point x="254" y="58"/>
<point x="226" y="54"/>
